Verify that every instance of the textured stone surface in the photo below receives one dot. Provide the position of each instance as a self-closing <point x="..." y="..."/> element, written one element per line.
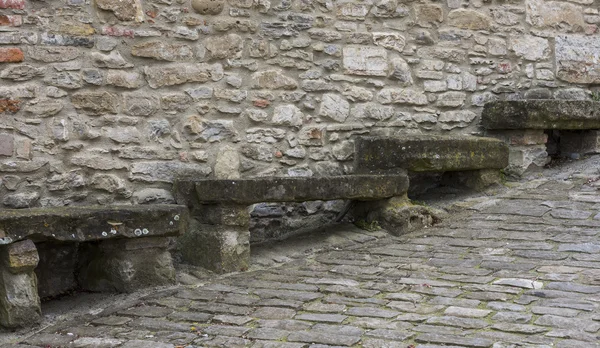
<point x="541" y="114"/>
<point x="92" y="223"/>
<point x="365" y="187"/>
<point x="576" y="59"/>
<point x="420" y="153"/>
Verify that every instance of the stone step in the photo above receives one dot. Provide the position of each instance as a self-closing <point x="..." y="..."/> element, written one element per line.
<point x="293" y="189"/>
<point x="541" y="114"/>
<point x="428" y="153"/>
<point x="91" y="223"/>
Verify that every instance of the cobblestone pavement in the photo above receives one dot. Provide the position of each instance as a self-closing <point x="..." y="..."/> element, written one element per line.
<point x="518" y="269"/>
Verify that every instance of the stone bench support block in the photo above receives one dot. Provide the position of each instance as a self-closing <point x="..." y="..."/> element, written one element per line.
<point x="541" y="114"/>
<point x="126" y="265"/>
<point x="218" y="237"/>
<point x="420" y="153"/>
<point x="19" y="300"/>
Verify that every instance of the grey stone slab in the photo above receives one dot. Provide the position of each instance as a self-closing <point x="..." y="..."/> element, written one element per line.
<point x="371" y="312"/>
<point x="430" y="153"/>
<point x="190" y="316"/>
<point x="95" y="342"/>
<point x="324" y="318"/>
<point x="394" y="335"/>
<point x="540" y="114"/>
<point x="224" y="330"/>
<point x="265" y="333"/>
<point x="580" y="247"/>
<point x="274" y="313"/>
<point x="339" y="329"/>
<point x="323" y="338"/>
<point x="512" y="317"/>
<point x="146" y="344"/>
<point x="453" y="340"/>
<point x="45" y="339"/>
<point x="93" y="223"/>
<point x="289" y="325"/>
<point x="465" y="323"/>
<point x="147" y="311"/>
<point x="569" y="286"/>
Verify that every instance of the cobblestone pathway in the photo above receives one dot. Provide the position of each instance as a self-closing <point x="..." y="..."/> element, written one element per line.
<point x="520" y="269"/>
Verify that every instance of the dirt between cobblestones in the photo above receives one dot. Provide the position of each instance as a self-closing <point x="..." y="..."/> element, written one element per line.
<point x="517" y="266"/>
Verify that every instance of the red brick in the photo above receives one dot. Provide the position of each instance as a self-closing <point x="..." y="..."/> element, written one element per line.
<point x="118" y="31"/>
<point x="9" y="105"/>
<point x="11" y="20"/>
<point x="7" y="145"/>
<point x="11" y="55"/>
<point x="15" y="4"/>
<point x="261" y="103"/>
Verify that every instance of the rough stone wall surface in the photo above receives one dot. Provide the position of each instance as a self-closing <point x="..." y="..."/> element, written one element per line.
<point x="107" y="101"/>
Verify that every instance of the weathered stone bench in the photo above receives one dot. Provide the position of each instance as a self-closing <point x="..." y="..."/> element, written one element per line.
<point x="119" y="248"/>
<point x="219" y="236"/>
<point x="478" y="159"/>
<point x="526" y="124"/>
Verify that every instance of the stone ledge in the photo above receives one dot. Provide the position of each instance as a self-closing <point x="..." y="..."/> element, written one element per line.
<point x="541" y="114"/>
<point x="428" y="153"/>
<point x="298" y="189"/>
<point x="81" y="224"/>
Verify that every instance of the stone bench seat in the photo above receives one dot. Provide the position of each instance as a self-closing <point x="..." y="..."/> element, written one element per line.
<point x="541" y="114"/>
<point x="84" y="224"/>
<point x="219" y="235"/>
<point x="478" y="159"/>
<point x="49" y="251"/>
<point x="536" y="129"/>
<point x="301" y="189"/>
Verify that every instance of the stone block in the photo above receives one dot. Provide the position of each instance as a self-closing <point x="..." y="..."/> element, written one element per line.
<point x="541" y="114"/>
<point x="365" y="60"/>
<point x="11" y="55"/>
<point x="7" y="145"/>
<point x="208" y="7"/>
<point x="20" y="257"/>
<point x="125" y="10"/>
<point x="95" y="223"/>
<point x="524" y="158"/>
<point x="299" y="189"/>
<point x="126" y="265"/>
<point x="219" y="248"/>
<point x="576" y="59"/>
<point x="13" y="4"/>
<point x="19" y="300"/>
<point x="430" y="153"/>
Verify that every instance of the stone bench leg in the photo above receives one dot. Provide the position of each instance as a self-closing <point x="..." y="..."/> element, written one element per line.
<point x="126" y="265"/>
<point x="218" y="238"/>
<point x="19" y="300"/>
<point x="397" y="215"/>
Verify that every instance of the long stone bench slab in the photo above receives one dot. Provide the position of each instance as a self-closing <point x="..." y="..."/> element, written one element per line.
<point x="536" y="129"/>
<point x="219" y="236"/>
<point x="541" y="114"/>
<point x="118" y="248"/>
<point x="468" y="160"/>
<point x="429" y="153"/>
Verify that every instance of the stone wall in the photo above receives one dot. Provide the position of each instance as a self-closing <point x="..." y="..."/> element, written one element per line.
<point x="106" y="101"/>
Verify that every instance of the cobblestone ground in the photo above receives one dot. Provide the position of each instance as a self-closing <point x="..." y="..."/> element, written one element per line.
<point x="519" y="269"/>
